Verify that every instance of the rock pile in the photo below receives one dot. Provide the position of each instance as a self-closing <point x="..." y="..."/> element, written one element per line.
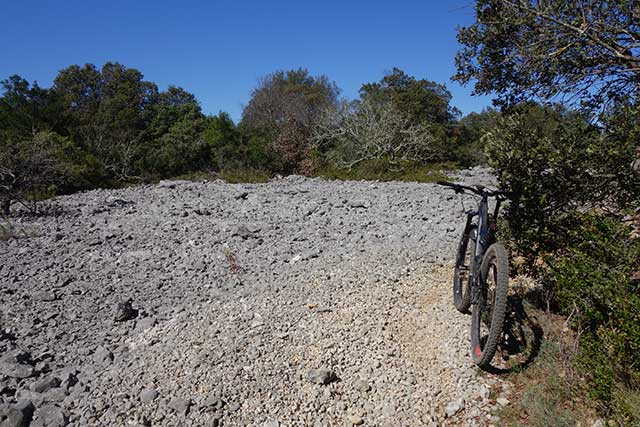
<point x="297" y="302"/>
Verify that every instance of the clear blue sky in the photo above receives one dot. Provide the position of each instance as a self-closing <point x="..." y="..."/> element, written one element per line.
<point x="218" y="49"/>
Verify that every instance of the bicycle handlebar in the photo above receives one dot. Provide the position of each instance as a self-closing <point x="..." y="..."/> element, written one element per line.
<point x="477" y="189"/>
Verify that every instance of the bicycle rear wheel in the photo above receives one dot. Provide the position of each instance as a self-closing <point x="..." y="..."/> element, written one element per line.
<point x="488" y="312"/>
<point x="462" y="272"/>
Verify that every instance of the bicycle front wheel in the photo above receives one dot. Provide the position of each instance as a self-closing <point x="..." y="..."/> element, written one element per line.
<point x="488" y="312"/>
<point x="462" y="272"/>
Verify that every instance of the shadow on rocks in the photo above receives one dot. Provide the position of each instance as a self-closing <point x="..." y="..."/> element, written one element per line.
<point x="522" y="337"/>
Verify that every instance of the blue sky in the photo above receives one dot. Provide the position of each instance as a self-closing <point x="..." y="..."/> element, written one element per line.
<point x="218" y="49"/>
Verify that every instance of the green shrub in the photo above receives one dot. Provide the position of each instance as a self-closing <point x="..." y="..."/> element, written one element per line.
<point x="592" y="281"/>
<point x="382" y="170"/>
<point x="553" y="162"/>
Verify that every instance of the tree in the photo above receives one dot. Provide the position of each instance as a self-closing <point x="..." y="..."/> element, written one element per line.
<point x="29" y="168"/>
<point x="466" y="138"/>
<point x="167" y="108"/>
<point x="224" y="141"/>
<point x="584" y="52"/>
<point x="284" y="108"/>
<point x="421" y="101"/>
<point x="27" y="109"/>
<point x="373" y="130"/>
<point x="106" y="112"/>
<point x="180" y="150"/>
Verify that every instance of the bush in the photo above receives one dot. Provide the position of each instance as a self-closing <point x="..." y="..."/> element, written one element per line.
<point x="553" y="162"/>
<point x="382" y="170"/>
<point x="593" y="282"/>
<point x="30" y="169"/>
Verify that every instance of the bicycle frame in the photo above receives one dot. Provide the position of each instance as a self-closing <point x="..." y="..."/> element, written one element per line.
<point x="484" y="238"/>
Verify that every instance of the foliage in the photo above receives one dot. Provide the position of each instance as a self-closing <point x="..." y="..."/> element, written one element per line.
<point x="224" y="141"/>
<point x="382" y="170"/>
<point x="369" y="130"/>
<point x="550" y="392"/>
<point x="582" y="51"/>
<point x="420" y="101"/>
<point x="467" y="146"/>
<point x="400" y="119"/>
<point x="29" y="168"/>
<point x="594" y="282"/>
<point x="553" y="162"/>
<point x="559" y="164"/>
<point x="112" y="127"/>
<point x="104" y="112"/>
<point x="283" y="111"/>
<point x="179" y="150"/>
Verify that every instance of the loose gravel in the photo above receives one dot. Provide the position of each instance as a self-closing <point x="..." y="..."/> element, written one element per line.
<point x="297" y="302"/>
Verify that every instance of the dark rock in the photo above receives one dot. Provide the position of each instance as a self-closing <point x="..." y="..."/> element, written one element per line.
<point x="125" y="311"/>
<point x="119" y="203"/>
<point x="68" y="378"/>
<point x="321" y="376"/>
<point x="359" y="204"/>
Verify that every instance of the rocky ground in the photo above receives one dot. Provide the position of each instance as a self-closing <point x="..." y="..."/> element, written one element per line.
<point x="297" y="302"/>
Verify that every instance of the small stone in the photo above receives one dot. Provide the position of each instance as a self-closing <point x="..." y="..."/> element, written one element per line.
<point x="146" y="323"/>
<point x="484" y="392"/>
<point x="362" y="385"/>
<point x="103" y="356"/>
<point x="271" y="423"/>
<point x="359" y="204"/>
<point x="241" y="196"/>
<point x="149" y="395"/>
<point x="355" y="420"/>
<point x="243" y="232"/>
<point x="321" y="376"/>
<point x="47" y="296"/>
<point x="45" y="384"/>
<point x="502" y="401"/>
<point x="16" y="370"/>
<point x="454" y="407"/>
<point x="181" y="406"/>
<point x="55" y="394"/>
<point x="598" y="423"/>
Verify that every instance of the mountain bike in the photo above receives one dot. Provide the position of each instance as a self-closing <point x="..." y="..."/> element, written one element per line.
<point x="481" y="273"/>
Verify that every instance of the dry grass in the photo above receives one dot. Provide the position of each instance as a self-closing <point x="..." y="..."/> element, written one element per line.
<point x="550" y="392"/>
